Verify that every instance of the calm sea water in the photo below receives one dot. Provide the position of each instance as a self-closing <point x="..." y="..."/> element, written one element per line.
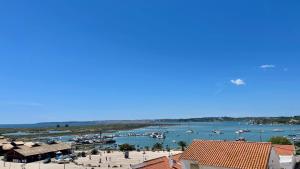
<point x="204" y="130"/>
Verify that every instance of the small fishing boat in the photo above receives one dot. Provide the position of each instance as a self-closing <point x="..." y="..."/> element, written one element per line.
<point x="239" y="131"/>
<point x="247" y="130"/>
<point x="242" y="131"/>
<point x="277" y="130"/>
<point x="189" y="131"/>
<point x="158" y="135"/>
<point x="217" y="132"/>
<point x="240" y="139"/>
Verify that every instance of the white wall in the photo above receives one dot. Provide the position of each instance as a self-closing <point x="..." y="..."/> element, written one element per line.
<point x="274" y="160"/>
<point x="186" y="165"/>
<point x="287" y="162"/>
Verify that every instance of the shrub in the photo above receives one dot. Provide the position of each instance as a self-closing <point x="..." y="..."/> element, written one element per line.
<point x="126" y="147"/>
<point x="157" y="146"/>
<point x="280" y="140"/>
<point x="94" y="152"/>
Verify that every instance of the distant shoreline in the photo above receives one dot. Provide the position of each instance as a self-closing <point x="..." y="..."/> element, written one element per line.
<point x="254" y="120"/>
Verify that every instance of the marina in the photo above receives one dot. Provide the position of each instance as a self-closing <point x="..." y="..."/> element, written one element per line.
<point x="171" y="134"/>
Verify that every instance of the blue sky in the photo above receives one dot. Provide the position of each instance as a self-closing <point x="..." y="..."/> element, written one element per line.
<point x="63" y="60"/>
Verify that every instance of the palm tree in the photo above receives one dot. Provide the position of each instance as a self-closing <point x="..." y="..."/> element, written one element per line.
<point x="182" y="144"/>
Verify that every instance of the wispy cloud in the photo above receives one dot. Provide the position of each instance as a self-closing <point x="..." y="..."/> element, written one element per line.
<point x="267" y="66"/>
<point x="238" y="82"/>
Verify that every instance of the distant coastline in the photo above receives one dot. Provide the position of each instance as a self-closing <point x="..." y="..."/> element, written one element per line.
<point x="250" y="120"/>
<point x="253" y="120"/>
<point x="87" y="127"/>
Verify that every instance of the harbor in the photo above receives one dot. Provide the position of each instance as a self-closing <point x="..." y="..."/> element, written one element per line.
<point x="170" y="135"/>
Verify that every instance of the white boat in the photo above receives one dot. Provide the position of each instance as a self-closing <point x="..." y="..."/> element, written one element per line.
<point x="158" y="135"/>
<point x="277" y="130"/>
<point x="239" y="131"/>
<point x="217" y="131"/>
<point x="161" y="136"/>
<point x="189" y="131"/>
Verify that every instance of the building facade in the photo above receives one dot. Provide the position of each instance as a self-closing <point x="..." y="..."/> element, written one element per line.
<point x="286" y="153"/>
<point x="34" y="152"/>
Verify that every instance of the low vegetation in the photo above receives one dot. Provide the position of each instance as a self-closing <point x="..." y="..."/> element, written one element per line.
<point x="126" y="147"/>
<point x="74" y="130"/>
<point x="252" y="120"/>
<point x="280" y="140"/>
<point x="157" y="147"/>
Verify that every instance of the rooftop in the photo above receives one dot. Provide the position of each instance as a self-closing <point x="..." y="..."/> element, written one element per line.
<point x="160" y="163"/>
<point x="284" y="150"/>
<point x="229" y="154"/>
<point x="42" y="149"/>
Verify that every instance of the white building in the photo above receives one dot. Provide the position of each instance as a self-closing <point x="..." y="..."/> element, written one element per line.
<point x="286" y="154"/>
<point x="203" y="154"/>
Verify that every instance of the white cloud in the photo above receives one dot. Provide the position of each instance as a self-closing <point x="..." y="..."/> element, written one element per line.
<point x="267" y="66"/>
<point x="238" y="82"/>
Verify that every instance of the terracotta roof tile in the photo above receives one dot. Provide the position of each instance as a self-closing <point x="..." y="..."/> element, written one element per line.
<point x="229" y="154"/>
<point x="284" y="149"/>
<point x="159" y="163"/>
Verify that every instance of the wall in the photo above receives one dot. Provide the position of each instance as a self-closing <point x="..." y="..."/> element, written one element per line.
<point x="186" y="165"/>
<point x="287" y="162"/>
<point x="274" y="160"/>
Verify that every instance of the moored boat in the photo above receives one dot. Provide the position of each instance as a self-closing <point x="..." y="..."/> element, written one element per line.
<point x="189" y="131"/>
<point x="217" y="132"/>
<point x="277" y="130"/>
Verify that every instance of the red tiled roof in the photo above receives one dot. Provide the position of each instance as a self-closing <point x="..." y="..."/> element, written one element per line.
<point x="177" y="163"/>
<point x="284" y="149"/>
<point x="159" y="163"/>
<point x="229" y="154"/>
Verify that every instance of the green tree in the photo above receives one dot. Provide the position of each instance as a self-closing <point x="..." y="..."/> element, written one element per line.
<point x="83" y="154"/>
<point x="157" y="146"/>
<point x="280" y="140"/>
<point x="94" y="152"/>
<point x="57" y="126"/>
<point x="182" y="144"/>
<point x="126" y="147"/>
